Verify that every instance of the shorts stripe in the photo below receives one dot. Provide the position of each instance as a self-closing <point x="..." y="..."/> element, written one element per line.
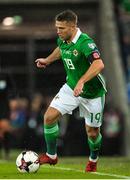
<point x="102" y="103"/>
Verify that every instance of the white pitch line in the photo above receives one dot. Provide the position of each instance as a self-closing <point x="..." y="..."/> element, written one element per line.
<point x="98" y="173"/>
<point x="112" y="175"/>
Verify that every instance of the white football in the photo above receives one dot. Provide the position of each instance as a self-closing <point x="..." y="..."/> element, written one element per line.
<point x="27" y="162"/>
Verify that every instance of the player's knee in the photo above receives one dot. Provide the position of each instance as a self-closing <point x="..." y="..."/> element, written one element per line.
<point x="49" y="118"/>
<point x="93" y="133"/>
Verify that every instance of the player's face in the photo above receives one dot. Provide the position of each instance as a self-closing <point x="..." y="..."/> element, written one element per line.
<point x="65" y="30"/>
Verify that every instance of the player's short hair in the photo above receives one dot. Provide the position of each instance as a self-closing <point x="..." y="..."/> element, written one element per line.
<point x="68" y="16"/>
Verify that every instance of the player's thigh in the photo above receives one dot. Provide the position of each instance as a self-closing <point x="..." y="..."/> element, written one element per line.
<point x="51" y="115"/>
<point x="65" y="102"/>
<point x="92" y="111"/>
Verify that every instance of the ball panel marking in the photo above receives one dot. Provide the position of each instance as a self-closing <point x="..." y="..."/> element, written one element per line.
<point x="27" y="162"/>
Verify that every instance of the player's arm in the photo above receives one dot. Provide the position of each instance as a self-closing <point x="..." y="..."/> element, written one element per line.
<point x="43" y="62"/>
<point x="95" y="68"/>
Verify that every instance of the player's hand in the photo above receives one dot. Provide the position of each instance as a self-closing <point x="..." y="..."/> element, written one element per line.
<point x="41" y="62"/>
<point x="78" y="88"/>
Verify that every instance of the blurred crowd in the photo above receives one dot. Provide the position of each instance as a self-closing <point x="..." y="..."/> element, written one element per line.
<point x="122" y="9"/>
<point x="22" y="128"/>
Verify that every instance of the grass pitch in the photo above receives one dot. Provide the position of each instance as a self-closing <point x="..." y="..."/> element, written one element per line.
<point x="71" y="168"/>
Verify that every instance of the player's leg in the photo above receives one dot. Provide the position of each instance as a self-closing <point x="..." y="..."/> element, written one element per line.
<point x="92" y="110"/>
<point x="94" y="141"/>
<point x="51" y="131"/>
<point x="64" y="102"/>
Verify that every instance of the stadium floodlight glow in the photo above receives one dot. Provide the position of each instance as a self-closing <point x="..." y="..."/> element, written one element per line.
<point x="8" y="21"/>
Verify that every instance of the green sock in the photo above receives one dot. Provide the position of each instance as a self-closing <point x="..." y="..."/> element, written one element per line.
<point x="51" y="133"/>
<point x="95" y="146"/>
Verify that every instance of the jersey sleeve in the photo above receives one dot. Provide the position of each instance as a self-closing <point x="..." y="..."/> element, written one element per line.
<point x="90" y="50"/>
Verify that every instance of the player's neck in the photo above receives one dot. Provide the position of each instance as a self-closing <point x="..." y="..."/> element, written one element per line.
<point x="72" y="37"/>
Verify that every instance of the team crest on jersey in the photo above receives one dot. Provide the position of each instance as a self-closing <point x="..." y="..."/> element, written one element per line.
<point x="75" y="52"/>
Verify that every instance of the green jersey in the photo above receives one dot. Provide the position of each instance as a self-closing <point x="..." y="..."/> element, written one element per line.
<point x="75" y="59"/>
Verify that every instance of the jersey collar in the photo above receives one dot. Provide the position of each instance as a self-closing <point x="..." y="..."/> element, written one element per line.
<point x="76" y="36"/>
